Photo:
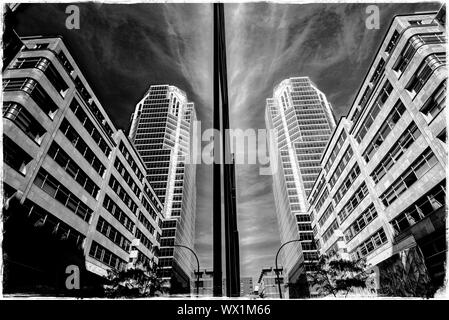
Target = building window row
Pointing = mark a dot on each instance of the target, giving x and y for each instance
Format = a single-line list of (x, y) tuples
[(330, 230), (425, 70), (393, 42), (381, 135), (14, 156), (317, 190), (93, 107), (90, 127), (24, 121), (435, 103), (419, 167), (118, 213), (353, 202), (143, 239), (326, 214), (69, 165), (322, 199), (118, 165), (146, 223), (36, 92), (347, 183), (394, 154), (341, 140), (105, 256), (75, 139), (127, 155), (413, 44), (46, 67), (361, 222), (106, 229), (373, 242), (422, 208), (122, 194), (39, 216), (374, 111), (58, 191), (341, 166)]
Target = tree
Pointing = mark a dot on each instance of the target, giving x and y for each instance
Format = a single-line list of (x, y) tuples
[(339, 276), (133, 283)]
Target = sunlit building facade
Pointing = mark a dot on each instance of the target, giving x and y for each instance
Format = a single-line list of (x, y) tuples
[(381, 195), (304, 121), (161, 130), (76, 185)]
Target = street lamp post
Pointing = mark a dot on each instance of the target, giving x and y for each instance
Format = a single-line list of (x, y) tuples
[(198, 267), (276, 264)]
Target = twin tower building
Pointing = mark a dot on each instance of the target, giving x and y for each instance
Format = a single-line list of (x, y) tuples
[(78, 191)]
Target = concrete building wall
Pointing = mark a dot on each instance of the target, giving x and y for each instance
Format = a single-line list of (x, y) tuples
[(67, 136)]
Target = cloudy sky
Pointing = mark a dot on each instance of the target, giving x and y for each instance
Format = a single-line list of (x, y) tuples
[(122, 49)]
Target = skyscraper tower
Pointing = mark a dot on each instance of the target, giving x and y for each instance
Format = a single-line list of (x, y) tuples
[(304, 122), (161, 130)]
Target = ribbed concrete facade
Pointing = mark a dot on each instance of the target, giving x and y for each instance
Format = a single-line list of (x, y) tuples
[(381, 193), (79, 176), (161, 130)]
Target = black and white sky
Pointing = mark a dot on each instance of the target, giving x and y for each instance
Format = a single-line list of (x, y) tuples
[(122, 49)]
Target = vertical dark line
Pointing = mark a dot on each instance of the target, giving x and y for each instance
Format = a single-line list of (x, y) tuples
[(217, 261), (230, 209)]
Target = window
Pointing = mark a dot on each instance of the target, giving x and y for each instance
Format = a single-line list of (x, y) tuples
[(347, 183), (70, 166), (413, 44), (353, 202), (361, 222), (24, 120), (92, 106), (394, 154), (118, 213), (36, 46), (123, 195), (347, 155), (330, 231), (373, 242), (56, 190), (336, 150), (435, 103), (143, 239), (113, 234), (326, 214), (419, 167), (146, 223), (423, 207), (36, 92), (14, 156), (118, 165), (76, 140), (105, 256), (322, 199), (90, 128), (393, 42), (374, 111), (381, 135), (424, 71), (46, 66)]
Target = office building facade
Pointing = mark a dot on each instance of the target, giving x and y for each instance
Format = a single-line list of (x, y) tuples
[(304, 121), (161, 130), (68, 172), (267, 284), (381, 195)]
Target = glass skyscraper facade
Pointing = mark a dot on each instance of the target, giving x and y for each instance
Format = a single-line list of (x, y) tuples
[(161, 130), (303, 120)]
